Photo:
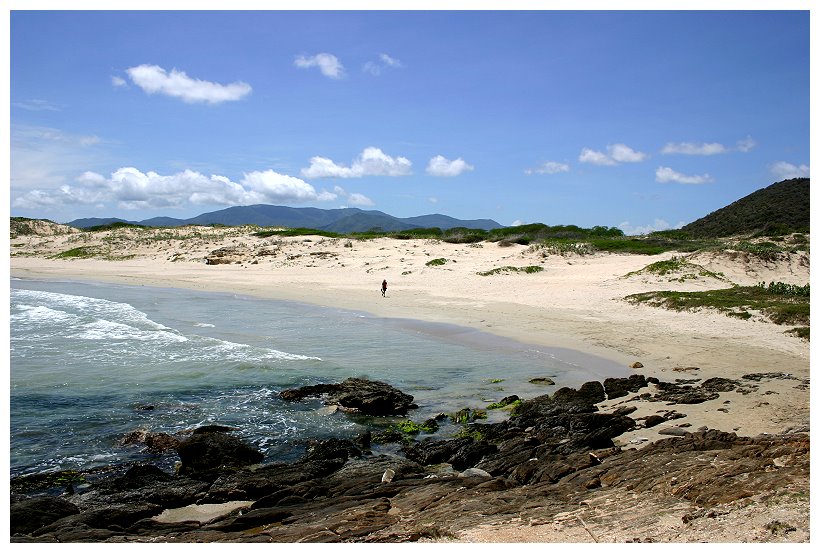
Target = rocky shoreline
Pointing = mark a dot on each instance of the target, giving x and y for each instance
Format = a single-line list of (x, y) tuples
[(553, 463)]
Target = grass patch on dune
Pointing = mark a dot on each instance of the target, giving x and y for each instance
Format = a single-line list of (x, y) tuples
[(82, 252), (509, 269), (678, 269), (782, 303)]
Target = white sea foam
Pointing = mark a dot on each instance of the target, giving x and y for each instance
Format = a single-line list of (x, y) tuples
[(204, 325), (109, 330), (92, 307), (40, 314), (231, 351)]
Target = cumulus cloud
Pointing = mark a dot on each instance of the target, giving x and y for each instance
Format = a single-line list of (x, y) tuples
[(659, 224), (440, 166), (595, 158), (614, 155), (783, 170), (548, 168), (666, 174), (371, 162), (131, 188), (118, 81), (328, 64), (153, 79), (385, 62)]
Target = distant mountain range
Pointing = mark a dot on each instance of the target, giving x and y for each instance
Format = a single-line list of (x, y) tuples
[(780, 208), (334, 220)]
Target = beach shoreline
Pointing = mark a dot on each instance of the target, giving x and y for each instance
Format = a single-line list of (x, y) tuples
[(573, 302)]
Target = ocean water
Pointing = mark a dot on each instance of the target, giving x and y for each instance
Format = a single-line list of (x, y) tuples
[(93, 362)]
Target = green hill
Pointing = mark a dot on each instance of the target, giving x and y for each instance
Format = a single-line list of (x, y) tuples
[(780, 208)]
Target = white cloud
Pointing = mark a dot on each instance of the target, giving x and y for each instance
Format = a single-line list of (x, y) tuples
[(31, 134), (371, 162), (707, 148), (328, 64), (746, 145), (130, 188), (517, 223), (359, 199), (658, 224), (432, 200), (693, 149), (153, 79), (42, 156), (36, 105), (595, 158), (272, 186), (666, 174), (624, 154), (783, 170), (615, 154), (548, 168), (118, 81), (385, 62), (440, 166)]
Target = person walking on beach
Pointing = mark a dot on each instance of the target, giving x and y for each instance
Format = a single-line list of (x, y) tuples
[(384, 287)]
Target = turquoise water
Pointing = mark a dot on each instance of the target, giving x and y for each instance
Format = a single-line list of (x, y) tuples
[(87, 359)]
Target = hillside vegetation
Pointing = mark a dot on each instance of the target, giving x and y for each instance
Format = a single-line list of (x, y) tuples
[(778, 209)]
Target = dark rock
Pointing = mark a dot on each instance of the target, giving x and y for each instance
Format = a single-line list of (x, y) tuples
[(673, 431), (543, 381), (213, 428), (620, 387), (332, 448), (158, 442), (589, 393), (161, 442), (625, 410), (32, 514), (214, 450), (504, 402), (653, 420), (683, 394), (470, 454), (433, 452), (718, 384), (136, 477), (111, 517), (357, 394), (252, 519)]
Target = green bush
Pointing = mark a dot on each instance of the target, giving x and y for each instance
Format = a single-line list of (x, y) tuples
[(81, 252)]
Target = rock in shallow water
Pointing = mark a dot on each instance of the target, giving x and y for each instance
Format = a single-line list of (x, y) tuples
[(368, 397)]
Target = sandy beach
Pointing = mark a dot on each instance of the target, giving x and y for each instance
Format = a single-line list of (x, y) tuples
[(575, 301)]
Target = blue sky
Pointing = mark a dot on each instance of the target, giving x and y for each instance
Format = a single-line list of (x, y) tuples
[(638, 119)]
